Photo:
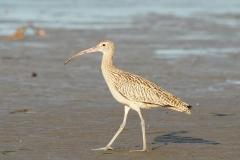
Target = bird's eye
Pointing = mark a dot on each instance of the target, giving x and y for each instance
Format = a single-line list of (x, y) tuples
[(104, 45)]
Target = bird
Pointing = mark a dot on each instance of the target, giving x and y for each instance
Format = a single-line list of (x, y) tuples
[(131, 90)]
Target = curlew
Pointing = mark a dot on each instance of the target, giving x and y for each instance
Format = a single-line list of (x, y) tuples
[(133, 91)]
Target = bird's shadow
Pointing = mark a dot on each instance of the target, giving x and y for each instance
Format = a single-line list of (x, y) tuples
[(173, 137)]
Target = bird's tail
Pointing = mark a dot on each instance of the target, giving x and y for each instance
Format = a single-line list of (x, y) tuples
[(183, 108), (188, 110)]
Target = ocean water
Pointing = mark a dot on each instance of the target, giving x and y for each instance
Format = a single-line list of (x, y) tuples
[(95, 14)]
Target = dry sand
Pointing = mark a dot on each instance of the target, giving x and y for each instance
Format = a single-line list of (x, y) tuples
[(76, 112)]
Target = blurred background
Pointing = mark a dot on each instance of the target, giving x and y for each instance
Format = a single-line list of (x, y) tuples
[(26, 18), (94, 14)]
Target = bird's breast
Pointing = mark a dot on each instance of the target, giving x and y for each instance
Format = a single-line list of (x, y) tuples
[(112, 79)]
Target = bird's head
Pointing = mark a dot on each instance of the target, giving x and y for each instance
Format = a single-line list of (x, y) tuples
[(106, 47)]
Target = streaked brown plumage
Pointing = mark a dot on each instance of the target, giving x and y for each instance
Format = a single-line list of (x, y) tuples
[(131, 90)]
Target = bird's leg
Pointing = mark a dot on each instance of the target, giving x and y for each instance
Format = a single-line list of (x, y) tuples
[(126, 109), (143, 132)]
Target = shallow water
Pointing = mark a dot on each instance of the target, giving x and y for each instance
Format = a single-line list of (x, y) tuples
[(94, 14), (177, 53), (237, 82)]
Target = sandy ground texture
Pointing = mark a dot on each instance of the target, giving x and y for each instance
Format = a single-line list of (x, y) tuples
[(70, 109)]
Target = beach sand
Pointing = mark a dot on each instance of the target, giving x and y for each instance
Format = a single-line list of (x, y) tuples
[(76, 112)]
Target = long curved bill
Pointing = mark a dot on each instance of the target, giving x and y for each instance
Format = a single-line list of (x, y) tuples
[(90, 50)]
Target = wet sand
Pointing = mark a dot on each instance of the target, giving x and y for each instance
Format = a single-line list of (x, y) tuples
[(76, 112)]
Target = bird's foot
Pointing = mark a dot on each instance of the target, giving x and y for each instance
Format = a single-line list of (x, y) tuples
[(103, 149), (142, 150)]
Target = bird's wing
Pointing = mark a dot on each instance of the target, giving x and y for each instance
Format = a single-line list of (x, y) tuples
[(146, 93), (138, 89)]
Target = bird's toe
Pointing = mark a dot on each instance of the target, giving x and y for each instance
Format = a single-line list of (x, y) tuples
[(142, 150), (103, 149)]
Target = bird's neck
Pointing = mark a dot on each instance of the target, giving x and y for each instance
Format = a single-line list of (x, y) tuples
[(107, 62), (110, 73)]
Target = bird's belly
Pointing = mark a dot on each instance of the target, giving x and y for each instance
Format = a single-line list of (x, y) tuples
[(119, 97)]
